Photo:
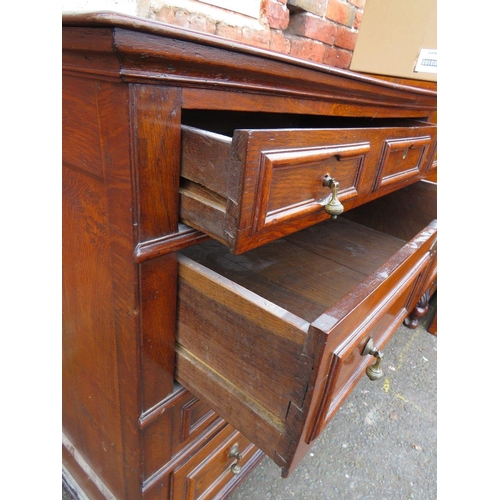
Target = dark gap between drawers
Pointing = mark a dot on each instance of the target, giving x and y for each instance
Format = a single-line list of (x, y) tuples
[(225, 122)]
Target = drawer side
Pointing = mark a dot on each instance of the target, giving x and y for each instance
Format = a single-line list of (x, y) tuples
[(239, 352)]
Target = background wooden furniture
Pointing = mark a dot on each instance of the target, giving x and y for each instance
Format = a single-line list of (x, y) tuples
[(140, 286)]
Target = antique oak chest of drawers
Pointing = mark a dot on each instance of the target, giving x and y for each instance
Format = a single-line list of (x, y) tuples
[(242, 234)]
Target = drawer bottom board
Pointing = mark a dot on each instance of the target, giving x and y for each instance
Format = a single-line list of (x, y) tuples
[(307, 271)]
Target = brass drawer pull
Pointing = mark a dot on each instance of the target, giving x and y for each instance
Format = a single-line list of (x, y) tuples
[(374, 371), (234, 453), (333, 207)]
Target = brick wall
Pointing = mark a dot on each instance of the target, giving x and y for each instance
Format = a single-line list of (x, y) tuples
[(323, 31)]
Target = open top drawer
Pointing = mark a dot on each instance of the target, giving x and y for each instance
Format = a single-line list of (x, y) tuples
[(257, 185), (273, 339)]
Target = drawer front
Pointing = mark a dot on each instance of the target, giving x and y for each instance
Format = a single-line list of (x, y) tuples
[(195, 417), (266, 370), (432, 166), (344, 362), (264, 184), (291, 180), (211, 472), (402, 159), (173, 428)]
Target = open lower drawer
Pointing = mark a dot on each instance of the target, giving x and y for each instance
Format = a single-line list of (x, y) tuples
[(247, 186), (273, 339)]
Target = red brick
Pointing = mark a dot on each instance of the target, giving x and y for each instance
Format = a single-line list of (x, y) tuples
[(256, 38), (341, 12), (346, 38), (304, 48), (357, 19), (279, 42), (166, 15), (313, 27), (231, 32), (201, 23), (317, 7), (185, 19), (276, 13), (339, 58), (360, 4)]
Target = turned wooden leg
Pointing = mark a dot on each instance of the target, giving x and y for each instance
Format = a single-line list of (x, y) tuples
[(411, 321)]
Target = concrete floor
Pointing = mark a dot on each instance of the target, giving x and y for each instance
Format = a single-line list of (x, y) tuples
[(381, 444)]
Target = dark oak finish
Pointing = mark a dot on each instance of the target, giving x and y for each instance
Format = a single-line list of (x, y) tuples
[(97, 238), (163, 127), (195, 478), (292, 308), (260, 185)]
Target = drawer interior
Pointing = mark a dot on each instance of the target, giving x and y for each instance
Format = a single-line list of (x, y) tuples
[(308, 271), (305, 272), (273, 338), (226, 122)]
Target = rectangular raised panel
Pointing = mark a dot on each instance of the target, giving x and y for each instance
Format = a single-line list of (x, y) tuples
[(432, 165), (401, 159), (194, 416), (291, 180), (208, 474), (179, 422)]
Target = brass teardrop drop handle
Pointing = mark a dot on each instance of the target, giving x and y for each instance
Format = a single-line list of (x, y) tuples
[(333, 207), (374, 372), (234, 453)]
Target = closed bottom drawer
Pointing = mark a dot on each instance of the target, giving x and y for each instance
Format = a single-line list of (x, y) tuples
[(275, 339), (217, 468)]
